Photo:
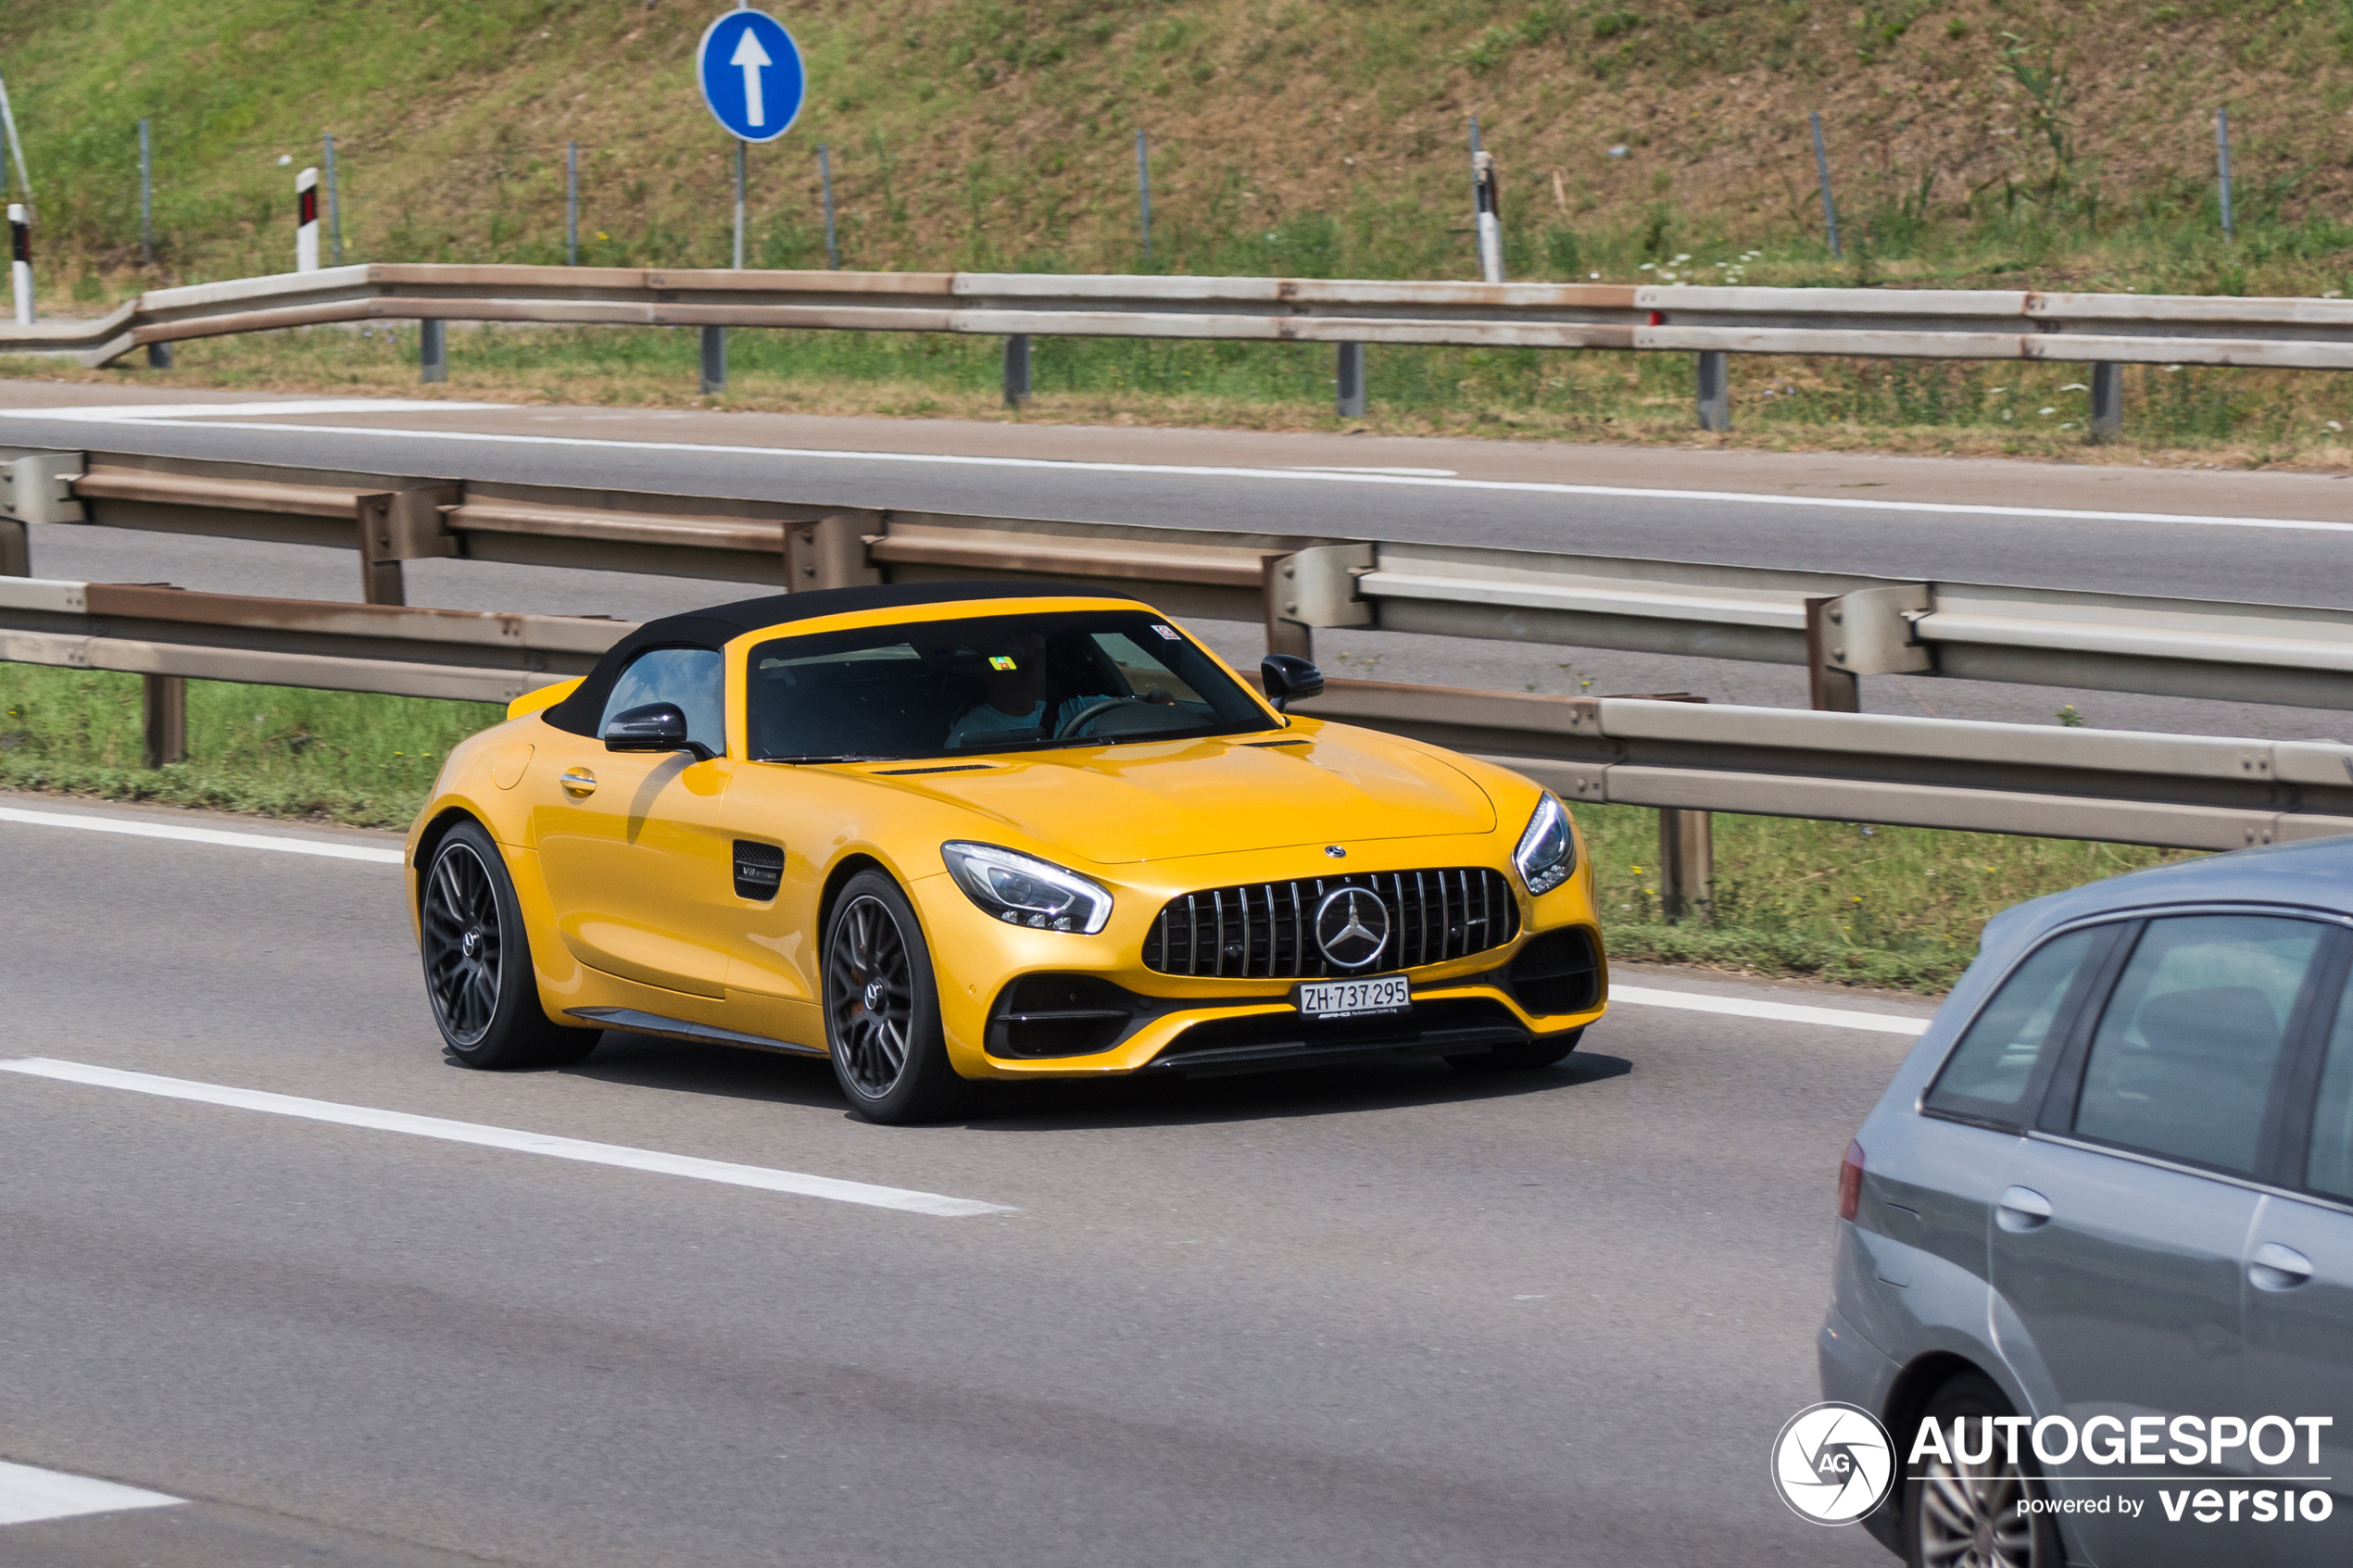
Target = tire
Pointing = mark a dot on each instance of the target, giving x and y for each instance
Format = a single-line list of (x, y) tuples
[(1966, 1513), (1541, 1051), (477, 960), (882, 1009)]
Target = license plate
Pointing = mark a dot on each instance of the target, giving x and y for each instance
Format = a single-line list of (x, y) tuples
[(1361, 998)]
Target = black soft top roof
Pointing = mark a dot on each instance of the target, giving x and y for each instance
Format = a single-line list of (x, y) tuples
[(723, 623)]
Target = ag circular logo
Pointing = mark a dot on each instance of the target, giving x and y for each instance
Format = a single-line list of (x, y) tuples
[(1833, 1463), (1351, 926)]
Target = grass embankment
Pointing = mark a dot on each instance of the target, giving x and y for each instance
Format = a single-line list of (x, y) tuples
[(2005, 144), (1895, 907)]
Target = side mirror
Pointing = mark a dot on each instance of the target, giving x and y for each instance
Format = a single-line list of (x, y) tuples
[(658, 726), (1289, 679)]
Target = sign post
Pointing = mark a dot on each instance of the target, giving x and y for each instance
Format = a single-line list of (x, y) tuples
[(753, 84)]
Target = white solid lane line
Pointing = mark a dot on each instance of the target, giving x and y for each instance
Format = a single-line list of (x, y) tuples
[(132, 413), (617, 1155), (28, 1495), (283, 843), (1296, 475), (1781, 1012)]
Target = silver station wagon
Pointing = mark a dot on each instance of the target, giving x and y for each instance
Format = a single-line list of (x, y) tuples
[(2098, 1232)]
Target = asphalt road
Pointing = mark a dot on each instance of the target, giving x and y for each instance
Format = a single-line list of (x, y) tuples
[(2034, 523), (1372, 1317)]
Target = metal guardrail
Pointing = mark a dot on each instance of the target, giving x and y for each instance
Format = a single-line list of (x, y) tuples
[(1933, 323), (2187, 791), (1838, 626)]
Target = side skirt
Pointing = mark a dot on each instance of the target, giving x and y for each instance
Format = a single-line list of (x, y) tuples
[(631, 1021)]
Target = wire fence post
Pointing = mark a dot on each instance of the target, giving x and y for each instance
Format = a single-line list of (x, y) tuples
[(571, 203), (16, 146), (1823, 172), (825, 181), (146, 197), (2222, 164), (740, 146), (335, 204), (1144, 192)]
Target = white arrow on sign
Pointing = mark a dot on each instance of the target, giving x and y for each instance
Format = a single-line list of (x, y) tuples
[(753, 57)]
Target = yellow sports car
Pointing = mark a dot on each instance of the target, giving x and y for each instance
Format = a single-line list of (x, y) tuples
[(946, 833)]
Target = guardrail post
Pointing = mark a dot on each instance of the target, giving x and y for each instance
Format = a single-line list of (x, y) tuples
[(2108, 401), (830, 552), (715, 361), (16, 548), (1686, 864), (158, 355), (1016, 370), (1715, 391), (433, 351), (164, 702), (1283, 634), (397, 526), (1828, 688), (1350, 379)]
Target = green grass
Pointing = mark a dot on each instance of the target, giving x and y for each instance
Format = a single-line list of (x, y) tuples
[(277, 751), (1839, 902)]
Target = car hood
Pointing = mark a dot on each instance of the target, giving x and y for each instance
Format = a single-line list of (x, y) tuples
[(1123, 804)]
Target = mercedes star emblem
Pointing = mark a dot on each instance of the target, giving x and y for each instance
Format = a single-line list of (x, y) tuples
[(1351, 926)]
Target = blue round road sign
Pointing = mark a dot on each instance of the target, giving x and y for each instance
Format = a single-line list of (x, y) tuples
[(750, 74)]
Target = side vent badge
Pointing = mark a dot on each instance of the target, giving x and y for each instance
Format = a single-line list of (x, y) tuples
[(760, 870)]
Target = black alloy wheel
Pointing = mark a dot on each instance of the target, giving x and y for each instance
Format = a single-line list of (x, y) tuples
[(882, 1008), (1959, 1514), (478, 971)]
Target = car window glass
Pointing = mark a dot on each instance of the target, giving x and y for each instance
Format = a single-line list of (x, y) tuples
[(1992, 1071), (693, 678), (2182, 1061), (989, 684), (2329, 1167)]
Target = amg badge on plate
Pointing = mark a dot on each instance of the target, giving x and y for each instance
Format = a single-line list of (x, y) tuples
[(1357, 998)]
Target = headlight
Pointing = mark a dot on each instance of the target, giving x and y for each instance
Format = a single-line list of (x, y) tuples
[(1022, 890), (1547, 851)]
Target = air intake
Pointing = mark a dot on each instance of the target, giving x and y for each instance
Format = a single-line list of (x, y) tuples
[(760, 870)]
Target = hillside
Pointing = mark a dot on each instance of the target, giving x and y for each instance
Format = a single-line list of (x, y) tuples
[(2027, 141)]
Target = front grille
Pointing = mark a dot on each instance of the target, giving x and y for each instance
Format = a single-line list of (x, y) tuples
[(1266, 929)]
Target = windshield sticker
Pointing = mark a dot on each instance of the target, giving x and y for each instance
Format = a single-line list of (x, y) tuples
[(1164, 632), (1001, 661)]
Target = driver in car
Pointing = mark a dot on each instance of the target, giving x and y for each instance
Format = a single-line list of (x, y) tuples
[(1014, 700)]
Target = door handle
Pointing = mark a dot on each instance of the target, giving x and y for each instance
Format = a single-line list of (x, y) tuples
[(2274, 1267), (579, 780), (2022, 1209)]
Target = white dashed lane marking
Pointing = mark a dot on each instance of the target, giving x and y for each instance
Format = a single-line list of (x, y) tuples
[(28, 1495), (617, 1155)]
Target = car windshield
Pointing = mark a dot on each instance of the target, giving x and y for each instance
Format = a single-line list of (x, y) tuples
[(989, 684)]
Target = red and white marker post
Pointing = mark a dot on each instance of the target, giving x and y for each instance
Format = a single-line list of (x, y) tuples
[(307, 221), (21, 262)]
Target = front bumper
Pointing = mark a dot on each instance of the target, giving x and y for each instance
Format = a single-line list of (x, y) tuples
[(1018, 1003)]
